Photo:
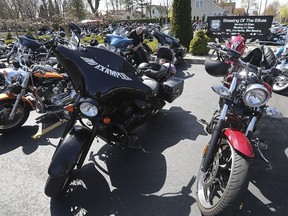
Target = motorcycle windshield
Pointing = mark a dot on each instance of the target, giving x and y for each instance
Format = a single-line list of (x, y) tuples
[(100, 73), (163, 38), (118, 41)]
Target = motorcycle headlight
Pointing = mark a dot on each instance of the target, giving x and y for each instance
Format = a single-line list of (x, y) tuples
[(88, 109), (255, 95)]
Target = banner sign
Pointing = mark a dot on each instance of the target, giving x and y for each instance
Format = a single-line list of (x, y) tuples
[(248, 26)]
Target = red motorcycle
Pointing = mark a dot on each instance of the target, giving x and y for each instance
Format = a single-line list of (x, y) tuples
[(223, 175)]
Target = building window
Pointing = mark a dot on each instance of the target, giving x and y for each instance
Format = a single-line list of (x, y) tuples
[(153, 11), (204, 17), (199, 3), (217, 14)]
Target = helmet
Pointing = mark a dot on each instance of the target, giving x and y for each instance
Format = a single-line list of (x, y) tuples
[(171, 68), (216, 68), (94, 42)]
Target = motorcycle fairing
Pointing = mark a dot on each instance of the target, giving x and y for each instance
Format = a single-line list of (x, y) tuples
[(239, 141), (100, 73), (68, 150), (118, 41), (28, 42), (163, 38)]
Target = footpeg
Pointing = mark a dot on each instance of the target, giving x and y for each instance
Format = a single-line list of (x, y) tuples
[(260, 144)]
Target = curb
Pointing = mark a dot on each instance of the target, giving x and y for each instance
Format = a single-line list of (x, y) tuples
[(195, 59)]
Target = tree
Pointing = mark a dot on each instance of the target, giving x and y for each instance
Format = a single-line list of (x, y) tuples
[(250, 5), (77, 9), (272, 8), (283, 12), (181, 25), (94, 7)]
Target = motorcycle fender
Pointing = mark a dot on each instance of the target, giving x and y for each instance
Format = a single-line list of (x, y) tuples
[(68, 150), (5, 96), (239, 142)]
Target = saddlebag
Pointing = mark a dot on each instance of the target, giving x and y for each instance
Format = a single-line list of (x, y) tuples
[(171, 89)]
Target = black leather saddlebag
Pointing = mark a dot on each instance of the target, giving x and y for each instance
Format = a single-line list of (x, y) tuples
[(171, 89)]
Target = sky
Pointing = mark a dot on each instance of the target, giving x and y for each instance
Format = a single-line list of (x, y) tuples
[(102, 5)]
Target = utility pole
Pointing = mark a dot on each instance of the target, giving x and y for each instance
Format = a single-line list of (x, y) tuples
[(260, 7)]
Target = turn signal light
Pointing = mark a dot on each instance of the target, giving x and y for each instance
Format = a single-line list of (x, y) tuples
[(106, 120), (204, 150), (70, 108)]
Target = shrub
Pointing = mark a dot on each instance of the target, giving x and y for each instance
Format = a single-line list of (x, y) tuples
[(9, 36), (198, 45), (152, 44)]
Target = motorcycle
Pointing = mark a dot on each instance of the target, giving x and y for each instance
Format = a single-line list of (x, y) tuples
[(39, 87), (173, 43), (113, 99), (223, 174), (123, 46), (281, 82)]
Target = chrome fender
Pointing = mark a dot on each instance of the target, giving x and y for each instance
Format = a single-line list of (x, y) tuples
[(239, 142), (68, 151)]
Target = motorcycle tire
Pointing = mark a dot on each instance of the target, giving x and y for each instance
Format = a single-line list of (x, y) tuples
[(220, 190), (21, 115), (11, 57), (55, 185), (280, 84)]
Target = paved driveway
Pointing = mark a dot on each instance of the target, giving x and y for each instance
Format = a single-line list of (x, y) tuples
[(161, 183)]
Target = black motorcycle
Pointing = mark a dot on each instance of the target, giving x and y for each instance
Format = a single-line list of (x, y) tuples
[(173, 43), (113, 97)]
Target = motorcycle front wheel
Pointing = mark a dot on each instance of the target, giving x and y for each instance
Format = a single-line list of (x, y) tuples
[(280, 84), (21, 115), (55, 185), (220, 190)]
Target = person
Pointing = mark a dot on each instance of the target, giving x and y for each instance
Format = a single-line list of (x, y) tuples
[(198, 25), (137, 39)]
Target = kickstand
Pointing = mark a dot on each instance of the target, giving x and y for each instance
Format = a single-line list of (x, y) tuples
[(42, 131)]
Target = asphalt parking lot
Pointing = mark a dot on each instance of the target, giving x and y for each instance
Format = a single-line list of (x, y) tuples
[(160, 183)]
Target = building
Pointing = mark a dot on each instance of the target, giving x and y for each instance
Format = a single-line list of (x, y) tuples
[(157, 11), (201, 9)]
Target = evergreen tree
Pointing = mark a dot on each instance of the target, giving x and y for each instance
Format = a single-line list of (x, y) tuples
[(181, 25)]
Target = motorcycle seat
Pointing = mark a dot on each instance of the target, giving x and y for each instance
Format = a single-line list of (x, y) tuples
[(155, 71)]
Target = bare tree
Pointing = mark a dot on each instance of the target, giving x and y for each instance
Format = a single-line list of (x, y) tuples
[(94, 5), (250, 5)]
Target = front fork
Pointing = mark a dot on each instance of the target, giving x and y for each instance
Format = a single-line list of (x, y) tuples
[(19, 96), (214, 139)]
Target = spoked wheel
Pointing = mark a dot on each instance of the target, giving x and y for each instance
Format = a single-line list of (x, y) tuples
[(280, 84), (11, 57), (21, 115), (221, 188)]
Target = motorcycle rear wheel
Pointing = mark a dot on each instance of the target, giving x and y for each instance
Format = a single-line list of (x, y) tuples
[(280, 84), (21, 115), (220, 190)]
